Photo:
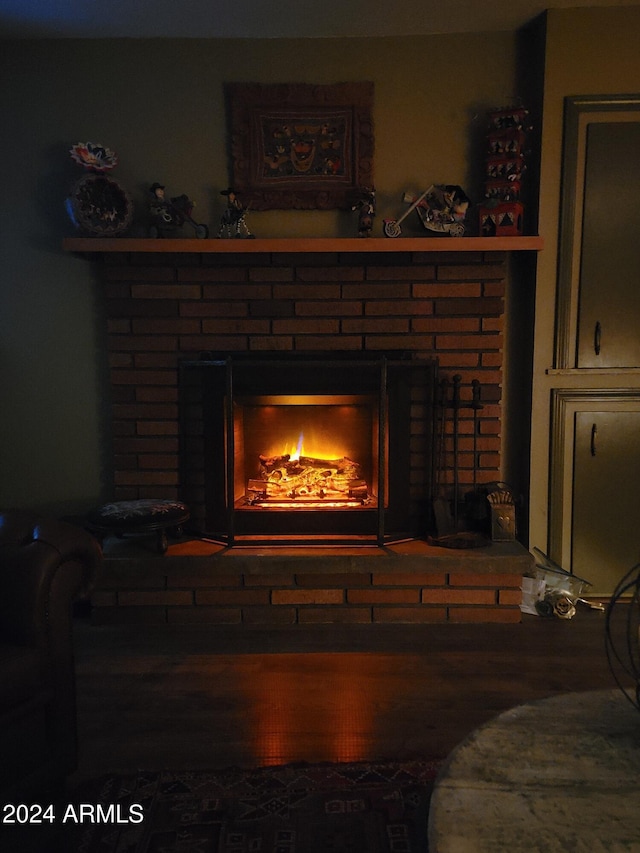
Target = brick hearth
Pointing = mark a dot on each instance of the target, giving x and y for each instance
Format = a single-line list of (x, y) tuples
[(202, 583)]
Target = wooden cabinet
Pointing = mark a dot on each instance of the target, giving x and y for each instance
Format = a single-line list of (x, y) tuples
[(609, 297), (606, 496), (595, 449)]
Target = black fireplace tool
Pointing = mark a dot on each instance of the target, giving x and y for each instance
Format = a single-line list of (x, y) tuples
[(446, 513)]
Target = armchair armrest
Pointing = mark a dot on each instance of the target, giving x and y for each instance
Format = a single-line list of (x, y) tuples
[(44, 565)]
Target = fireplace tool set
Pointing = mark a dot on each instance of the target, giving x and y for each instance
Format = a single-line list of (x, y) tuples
[(489, 512)]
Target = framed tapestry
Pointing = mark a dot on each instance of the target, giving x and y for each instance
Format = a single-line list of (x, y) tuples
[(300, 146)]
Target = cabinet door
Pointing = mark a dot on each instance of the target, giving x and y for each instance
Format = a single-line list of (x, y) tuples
[(606, 497), (609, 299)]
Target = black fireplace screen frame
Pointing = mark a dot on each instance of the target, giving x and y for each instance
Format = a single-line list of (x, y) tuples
[(209, 388)]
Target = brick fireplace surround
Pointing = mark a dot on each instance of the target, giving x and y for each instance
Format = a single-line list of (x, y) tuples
[(168, 301)]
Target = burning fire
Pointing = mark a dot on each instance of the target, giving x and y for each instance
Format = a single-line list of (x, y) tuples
[(298, 475)]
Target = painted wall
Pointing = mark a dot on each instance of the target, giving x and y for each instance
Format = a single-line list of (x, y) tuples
[(159, 105), (588, 52)]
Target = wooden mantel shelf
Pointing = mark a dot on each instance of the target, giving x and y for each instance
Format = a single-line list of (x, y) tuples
[(100, 245)]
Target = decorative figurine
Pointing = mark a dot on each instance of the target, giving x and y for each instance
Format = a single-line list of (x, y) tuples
[(502, 212), (366, 207), (232, 222), (442, 208), (170, 215), (98, 205)]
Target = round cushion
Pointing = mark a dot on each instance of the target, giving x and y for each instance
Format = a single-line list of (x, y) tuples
[(140, 515)]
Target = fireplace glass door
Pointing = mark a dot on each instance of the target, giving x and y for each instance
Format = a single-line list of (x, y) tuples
[(303, 450)]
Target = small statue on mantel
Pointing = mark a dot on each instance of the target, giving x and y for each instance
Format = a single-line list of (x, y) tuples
[(232, 222), (169, 215), (366, 207)]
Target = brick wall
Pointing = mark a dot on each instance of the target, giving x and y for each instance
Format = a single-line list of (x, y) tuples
[(163, 308)]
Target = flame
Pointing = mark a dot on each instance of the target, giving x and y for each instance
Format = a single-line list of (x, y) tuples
[(319, 448)]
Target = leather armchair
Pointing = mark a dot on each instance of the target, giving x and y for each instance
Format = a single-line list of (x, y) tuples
[(45, 564)]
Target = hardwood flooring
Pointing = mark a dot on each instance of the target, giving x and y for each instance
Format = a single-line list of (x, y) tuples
[(185, 697)]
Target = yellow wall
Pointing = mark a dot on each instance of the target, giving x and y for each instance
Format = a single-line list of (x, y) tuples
[(588, 52), (159, 105)]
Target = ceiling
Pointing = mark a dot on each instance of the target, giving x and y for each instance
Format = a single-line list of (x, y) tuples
[(269, 18)]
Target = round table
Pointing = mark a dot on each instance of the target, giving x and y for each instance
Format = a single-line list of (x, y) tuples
[(559, 774)]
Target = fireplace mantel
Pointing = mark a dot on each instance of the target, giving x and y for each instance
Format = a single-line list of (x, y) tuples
[(297, 245)]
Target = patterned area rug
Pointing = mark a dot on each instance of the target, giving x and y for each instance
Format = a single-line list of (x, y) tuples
[(344, 808)]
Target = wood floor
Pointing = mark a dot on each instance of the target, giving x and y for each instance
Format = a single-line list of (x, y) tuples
[(190, 697)]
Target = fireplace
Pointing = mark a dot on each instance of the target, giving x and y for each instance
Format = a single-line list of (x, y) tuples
[(308, 449)]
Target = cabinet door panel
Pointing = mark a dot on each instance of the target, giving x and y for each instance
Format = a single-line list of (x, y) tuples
[(609, 300), (606, 497)]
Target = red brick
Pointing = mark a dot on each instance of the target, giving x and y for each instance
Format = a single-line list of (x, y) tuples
[(496, 288), (510, 596), (146, 598), (332, 273), (144, 377), (157, 394), (240, 597), (334, 615), (493, 324), (383, 596), (235, 326), (221, 274), (157, 428), (458, 596), (146, 478), (270, 580), (371, 292), (328, 308), (365, 325), (446, 324), (306, 291), (141, 445), (474, 342), (269, 615), (335, 342), (306, 326), (477, 272), (272, 343), (455, 361), (150, 411), (421, 345), (391, 308), (307, 596), (491, 359), (271, 274), (166, 291), (450, 291), (414, 272), (213, 309), (154, 460), (471, 307), (234, 292), (216, 343)]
